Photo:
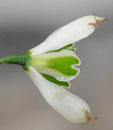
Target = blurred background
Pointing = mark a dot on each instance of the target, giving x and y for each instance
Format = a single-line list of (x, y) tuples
[(26, 23)]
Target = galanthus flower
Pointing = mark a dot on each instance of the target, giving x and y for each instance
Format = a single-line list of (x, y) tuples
[(53, 63)]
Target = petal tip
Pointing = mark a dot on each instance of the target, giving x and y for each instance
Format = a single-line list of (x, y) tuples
[(89, 118), (100, 19), (97, 20)]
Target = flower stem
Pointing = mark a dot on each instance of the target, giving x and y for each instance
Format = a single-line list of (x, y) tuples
[(23, 60)]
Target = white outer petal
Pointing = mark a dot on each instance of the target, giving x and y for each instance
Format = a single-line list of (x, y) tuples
[(67, 34), (67, 104)]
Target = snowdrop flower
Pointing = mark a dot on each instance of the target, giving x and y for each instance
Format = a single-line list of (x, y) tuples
[(53, 63)]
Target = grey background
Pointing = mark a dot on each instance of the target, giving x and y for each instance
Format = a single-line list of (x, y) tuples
[(26, 23)]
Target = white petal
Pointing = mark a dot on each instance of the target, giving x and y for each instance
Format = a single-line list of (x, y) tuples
[(67, 104), (70, 33)]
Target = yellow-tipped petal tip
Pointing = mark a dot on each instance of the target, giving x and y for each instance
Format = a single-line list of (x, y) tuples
[(100, 19), (89, 118)]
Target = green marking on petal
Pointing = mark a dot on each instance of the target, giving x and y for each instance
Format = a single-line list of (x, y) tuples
[(64, 64), (68, 47), (53, 80)]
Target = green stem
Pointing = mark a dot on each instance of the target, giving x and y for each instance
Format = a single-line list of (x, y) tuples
[(23, 60)]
